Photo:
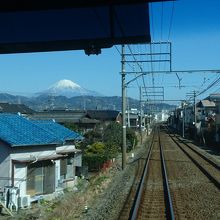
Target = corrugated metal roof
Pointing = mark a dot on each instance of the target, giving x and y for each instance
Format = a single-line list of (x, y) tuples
[(60, 131), (19, 131)]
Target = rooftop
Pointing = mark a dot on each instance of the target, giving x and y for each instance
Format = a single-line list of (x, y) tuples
[(103, 115), (19, 131), (58, 130), (15, 108)]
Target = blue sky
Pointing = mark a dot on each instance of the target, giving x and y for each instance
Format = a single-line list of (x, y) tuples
[(195, 37)]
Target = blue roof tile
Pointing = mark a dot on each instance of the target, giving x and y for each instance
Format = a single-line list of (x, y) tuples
[(18, 131), (58, 130)]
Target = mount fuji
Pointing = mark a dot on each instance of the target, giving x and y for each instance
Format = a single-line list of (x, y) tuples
[(69, 89)]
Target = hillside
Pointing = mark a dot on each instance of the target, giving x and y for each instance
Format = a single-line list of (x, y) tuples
[(79, 102)]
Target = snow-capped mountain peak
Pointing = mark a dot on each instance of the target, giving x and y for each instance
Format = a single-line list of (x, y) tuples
[(65, 84), (69, 89)]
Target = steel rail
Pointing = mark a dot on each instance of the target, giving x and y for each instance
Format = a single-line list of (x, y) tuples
[(168, 201), (137, 200), (167, 195)]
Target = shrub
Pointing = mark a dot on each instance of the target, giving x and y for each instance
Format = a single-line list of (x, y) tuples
[(95, 156), (131, 139)]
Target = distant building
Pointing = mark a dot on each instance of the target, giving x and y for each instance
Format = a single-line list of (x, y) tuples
[(133, 119), (76, 117), (105, 115), (162, 116), (207, 125), (205, 109), (15, 108)]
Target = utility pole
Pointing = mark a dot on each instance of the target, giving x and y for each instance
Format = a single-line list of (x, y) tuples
[(123, 107), (184, 119), (140, 123), (194, 101), (193, 95), (128, 113)]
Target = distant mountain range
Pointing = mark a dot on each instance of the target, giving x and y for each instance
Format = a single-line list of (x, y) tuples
[(67, 94)]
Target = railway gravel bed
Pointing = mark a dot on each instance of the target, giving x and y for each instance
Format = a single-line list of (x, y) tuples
[(194, 196), (212, 153), (213, 171), (124, 214)]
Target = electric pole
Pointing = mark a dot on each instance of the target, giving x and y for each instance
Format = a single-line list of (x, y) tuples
[(193, 95), (184, 119), (123, 107), (194, 100), (140, 123)]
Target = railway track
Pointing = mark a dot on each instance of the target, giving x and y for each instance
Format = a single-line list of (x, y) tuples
[(152, 199), (192, 191), (209, 168), (193, 177), (124, 214)]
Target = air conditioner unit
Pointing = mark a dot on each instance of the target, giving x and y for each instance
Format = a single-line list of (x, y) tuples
[(24, 202)]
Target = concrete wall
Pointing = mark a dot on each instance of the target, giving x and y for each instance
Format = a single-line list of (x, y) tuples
[(57, 173), (20, 178), (78, 160), (32, 152)]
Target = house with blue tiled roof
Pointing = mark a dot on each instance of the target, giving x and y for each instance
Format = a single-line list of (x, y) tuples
[(36, 158), (57, 129)]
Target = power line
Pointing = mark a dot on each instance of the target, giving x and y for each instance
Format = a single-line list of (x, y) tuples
[(171, 21), (141, 69), (209, 87), (168, 39), (117, 50)]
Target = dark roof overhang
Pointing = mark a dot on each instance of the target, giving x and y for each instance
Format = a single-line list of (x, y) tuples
[(27, 5)]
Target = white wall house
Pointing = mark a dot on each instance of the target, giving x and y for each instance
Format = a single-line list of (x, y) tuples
[(37, 158)]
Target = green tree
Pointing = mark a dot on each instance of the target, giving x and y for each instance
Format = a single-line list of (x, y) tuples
[(90, 138), (93, 136), (97, 148), (112, 138)]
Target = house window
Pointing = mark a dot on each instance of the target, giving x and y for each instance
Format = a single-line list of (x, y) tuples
[(40, 178), (67, 168), (63, 168)]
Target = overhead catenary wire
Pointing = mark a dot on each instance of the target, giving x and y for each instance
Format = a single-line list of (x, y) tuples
[(209, 86), (171, 20), (169, 36), (141, 69), (161, 31)]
